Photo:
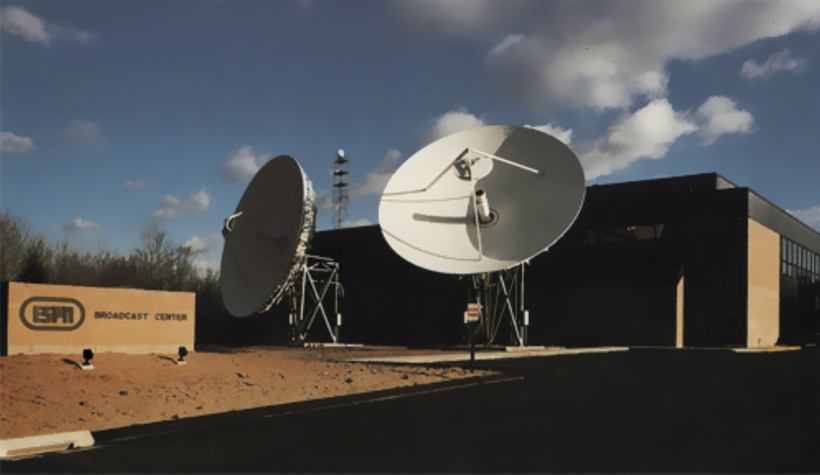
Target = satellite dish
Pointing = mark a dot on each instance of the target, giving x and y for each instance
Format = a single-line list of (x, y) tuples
[(482, 200), (267, 237)]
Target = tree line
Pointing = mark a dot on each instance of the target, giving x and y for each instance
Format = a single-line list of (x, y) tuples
[(157, 263)]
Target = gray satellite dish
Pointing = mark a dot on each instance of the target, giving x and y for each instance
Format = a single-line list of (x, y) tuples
[(267, 237), (482, 200)]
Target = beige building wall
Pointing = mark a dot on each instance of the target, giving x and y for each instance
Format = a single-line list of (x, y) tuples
[(764, 286), (64, 319)]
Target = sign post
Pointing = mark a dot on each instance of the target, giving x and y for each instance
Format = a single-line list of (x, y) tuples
[(471, 317)]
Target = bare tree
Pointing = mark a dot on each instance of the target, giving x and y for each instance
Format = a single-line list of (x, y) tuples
[(161, 264), (71, 267), (116, 270), (20, 248), (157, 264), (35, 267)]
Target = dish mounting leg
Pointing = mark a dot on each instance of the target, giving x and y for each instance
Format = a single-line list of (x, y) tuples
[(502, 294), (318, 293)]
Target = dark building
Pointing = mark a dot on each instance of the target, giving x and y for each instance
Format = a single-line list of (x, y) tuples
[(685, 261)]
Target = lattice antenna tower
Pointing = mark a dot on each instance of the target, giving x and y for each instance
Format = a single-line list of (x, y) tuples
[(340, 173)]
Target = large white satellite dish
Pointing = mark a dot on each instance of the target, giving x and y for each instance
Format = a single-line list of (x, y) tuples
[(482, 200), (267, 237)]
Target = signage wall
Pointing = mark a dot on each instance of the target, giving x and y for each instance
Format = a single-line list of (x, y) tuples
[(64, 319)]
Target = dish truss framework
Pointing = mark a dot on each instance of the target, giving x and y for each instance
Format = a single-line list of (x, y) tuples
[(319, 283), (500, 294)]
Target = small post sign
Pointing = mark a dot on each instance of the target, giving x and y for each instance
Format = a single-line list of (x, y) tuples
[(473, 313), (64, 319), (471, 317)]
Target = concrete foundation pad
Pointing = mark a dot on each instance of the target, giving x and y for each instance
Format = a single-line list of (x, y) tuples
[(766, 349), (10, 448), (484, 355), (333, 345)]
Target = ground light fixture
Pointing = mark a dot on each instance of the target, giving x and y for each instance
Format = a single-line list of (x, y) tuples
[(183, 352), (88, 355)]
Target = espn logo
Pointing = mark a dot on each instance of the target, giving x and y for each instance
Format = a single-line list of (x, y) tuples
[(52, 314)]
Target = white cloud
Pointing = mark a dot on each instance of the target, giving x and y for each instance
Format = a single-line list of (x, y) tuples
[(204, 266), (324, 200), (532, 70), (79, 224), (721, 116), (810, 216), (203, 245), (243, 165), (84, 134), (651, 130), (458, 18), (15, 144), (171, 207), (450, 123), (375, 181), (206, 251), (780, 61), (197, 245), (648, 133), (71, 34), (564, 135), (508, 42), (605, 55), (20, 22), (163, 214), (169, 201), (133, 184), (197, 202), (357, 223)]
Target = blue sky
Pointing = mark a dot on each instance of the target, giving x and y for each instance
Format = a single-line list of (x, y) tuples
[(118, 114)]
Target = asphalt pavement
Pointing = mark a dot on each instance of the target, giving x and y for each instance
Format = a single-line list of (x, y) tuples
[(635, 411)]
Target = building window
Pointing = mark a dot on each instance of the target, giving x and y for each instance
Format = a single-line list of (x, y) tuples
[(799, 262)]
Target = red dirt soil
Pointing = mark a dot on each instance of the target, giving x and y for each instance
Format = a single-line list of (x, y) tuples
[(43, 394)]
